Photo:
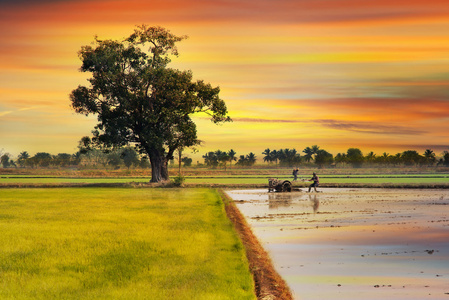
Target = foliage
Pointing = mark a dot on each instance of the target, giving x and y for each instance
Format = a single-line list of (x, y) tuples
[(178, 180), (187, 161), (411, 157), (219, 158), (445, 159), (323, 158), (231, 154), (354, 156), (310, 152), (130, 157), (5, 160), (286, 157), (248, 160), (21, 160), (139, 100)]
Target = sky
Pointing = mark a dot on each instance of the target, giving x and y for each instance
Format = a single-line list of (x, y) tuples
[(370, 74)]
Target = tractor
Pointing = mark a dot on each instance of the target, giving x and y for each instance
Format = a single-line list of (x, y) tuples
[(275, 185)]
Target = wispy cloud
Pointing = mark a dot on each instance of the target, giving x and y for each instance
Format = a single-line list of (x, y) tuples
[(259, 120), (7, 112), (362, 127), (4, 113), (369, 127)]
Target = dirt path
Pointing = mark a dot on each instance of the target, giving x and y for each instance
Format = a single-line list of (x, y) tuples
[(269, 284)]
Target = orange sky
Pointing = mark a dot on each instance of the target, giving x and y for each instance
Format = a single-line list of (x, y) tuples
[(338, 74)]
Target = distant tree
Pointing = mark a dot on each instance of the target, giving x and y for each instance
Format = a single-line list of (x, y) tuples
[(242, 160), (289, 157), (187, 161), (222, 158), (114, 158), (247, 160), (323, 158), (231, 155), (5, 160), (385, 158), (354, 156), (62, 159), (310, 152), (274, 156), (446, 159), (370, 157), (411, 157), (139, 100), (94, 157), (340, 158), (129, 156), (251, 159), (42, 159), (267, 155), (430, 157), (396, 159), (210, 159), (22, 158)]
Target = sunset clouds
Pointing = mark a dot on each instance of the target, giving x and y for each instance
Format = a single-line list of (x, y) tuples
[(340, 74)]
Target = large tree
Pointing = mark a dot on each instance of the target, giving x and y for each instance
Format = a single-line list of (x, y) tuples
[(139, 100)]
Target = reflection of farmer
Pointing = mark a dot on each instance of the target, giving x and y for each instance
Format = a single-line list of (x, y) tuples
[(315, 203), (316, 182), (295, 174)]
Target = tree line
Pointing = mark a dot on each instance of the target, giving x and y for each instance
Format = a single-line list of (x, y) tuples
[(353, 157), (222, 158), (91, 155), (314, 155)]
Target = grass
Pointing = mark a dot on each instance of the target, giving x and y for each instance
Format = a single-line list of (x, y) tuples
[(115, 243), (239, 179)]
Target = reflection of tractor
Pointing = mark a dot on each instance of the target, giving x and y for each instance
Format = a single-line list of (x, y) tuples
[(279, 185)]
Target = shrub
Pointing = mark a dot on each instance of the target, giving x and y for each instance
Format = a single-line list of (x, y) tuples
[(178, 180)]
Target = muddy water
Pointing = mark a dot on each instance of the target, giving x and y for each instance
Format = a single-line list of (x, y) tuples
[(355, 243)]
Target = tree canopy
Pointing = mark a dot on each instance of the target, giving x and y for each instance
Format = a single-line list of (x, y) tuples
[(139, 100)]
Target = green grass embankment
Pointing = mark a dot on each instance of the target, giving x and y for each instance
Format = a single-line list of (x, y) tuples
[(250, 181), (114, 243)]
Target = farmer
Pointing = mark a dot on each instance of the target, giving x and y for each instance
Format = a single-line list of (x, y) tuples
[(316, 182), (295, 174)]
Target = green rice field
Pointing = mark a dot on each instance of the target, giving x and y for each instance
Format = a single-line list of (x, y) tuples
[(236, 179), (119, 243)]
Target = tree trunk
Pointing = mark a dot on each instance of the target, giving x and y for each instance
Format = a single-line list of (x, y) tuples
[(156, 167), (164, 168), (159, 165)]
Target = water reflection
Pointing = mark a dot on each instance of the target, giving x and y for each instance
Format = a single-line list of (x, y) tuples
[(355, 243), (280, 200), (315, 202)]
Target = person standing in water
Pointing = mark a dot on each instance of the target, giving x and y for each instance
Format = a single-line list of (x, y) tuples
[(316, 182)]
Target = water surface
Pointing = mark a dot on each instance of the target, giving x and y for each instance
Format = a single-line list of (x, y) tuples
[(355, 243)]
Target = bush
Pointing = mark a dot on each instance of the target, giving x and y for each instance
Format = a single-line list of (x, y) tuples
[(178, 180)]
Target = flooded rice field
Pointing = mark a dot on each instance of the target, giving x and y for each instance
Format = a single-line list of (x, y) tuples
[(355, 243)]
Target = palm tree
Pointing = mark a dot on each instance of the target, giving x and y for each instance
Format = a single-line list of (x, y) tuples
[(242, 160), (370, 157), (430, 156), (231, 155), (23, 156), (268, 157), (310, 151), (251, 159), (274, 156), (222, 157)]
